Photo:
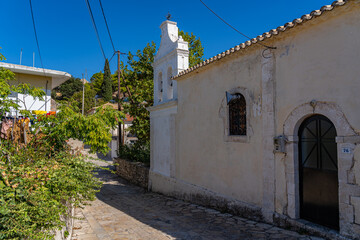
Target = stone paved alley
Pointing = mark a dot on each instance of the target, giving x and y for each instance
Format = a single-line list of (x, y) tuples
[(125, 211)]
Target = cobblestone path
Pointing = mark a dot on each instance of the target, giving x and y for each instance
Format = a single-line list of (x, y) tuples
[(124, 211)]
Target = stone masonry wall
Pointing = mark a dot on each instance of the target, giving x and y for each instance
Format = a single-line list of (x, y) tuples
[(349, 179), (69, 221), (134, 172)]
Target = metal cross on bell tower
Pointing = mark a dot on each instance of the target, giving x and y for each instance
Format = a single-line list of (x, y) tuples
[(168, 16)]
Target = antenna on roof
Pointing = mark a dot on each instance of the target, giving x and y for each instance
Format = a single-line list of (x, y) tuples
[(20, 56), (33, 59)]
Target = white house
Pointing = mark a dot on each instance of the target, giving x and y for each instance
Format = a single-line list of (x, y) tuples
[(277, 130), (46, 79)]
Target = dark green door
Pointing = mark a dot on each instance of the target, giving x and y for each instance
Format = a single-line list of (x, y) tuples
[(318, 172)]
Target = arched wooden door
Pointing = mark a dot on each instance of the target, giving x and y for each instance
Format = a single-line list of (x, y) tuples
[(318, 172)]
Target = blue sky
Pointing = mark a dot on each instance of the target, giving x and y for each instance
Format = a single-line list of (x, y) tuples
[(68, 41)]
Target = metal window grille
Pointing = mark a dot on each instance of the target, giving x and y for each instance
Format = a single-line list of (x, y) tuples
[(237, 115)]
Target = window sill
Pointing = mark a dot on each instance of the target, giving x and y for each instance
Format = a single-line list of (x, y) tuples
[(237, 138)]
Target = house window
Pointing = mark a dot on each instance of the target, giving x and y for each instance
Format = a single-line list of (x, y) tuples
[(237, 115)]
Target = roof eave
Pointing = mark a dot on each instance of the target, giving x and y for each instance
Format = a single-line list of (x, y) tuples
[(34, 71)]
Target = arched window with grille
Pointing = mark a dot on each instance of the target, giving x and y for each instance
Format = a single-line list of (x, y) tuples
[(237, 114)]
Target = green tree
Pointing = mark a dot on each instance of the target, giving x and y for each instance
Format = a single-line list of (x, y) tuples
[(2, 57), (196, 50), (114, 81), (97, 80), (139, 80), (67, 89), (89, 99), (106, 87)]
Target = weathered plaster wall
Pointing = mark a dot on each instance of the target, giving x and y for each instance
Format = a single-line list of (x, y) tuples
[(163, 130), (171, 58), (232, 169), (319, 63)]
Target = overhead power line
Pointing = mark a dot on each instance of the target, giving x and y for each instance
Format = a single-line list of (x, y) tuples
[(107, 27), (38, 47), (36, 38), (94, 25), (234, 27)]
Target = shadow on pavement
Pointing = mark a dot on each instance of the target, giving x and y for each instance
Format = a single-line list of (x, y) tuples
[(179, 219)]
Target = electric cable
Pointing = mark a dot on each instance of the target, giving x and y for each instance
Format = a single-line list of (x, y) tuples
[(36, 38), (112, 56), (234, 27), (94, 25), (107, 27), (38, 47), (108, 30)]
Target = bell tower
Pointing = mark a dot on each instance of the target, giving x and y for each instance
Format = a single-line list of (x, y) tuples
[(171, 58)]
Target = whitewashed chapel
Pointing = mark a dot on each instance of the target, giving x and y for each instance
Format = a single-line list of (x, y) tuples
[(268, 133)]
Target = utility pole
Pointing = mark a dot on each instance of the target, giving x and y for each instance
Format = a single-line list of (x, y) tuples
[(83, 82), (120, 137), (121, 133)]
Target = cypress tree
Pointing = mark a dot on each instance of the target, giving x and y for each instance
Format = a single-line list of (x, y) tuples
[(106, 88)]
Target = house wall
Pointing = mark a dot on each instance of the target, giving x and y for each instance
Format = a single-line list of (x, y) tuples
[(35, 81), (232, 169), (163, 130), (317, 72), (320, 62)]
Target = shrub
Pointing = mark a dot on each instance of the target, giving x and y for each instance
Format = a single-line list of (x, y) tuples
[(138, 152), (34, 187), (39, 178)]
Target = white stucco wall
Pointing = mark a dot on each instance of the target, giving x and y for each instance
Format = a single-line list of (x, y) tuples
[(163, 150), (230, 168), (320, 61), (171, 58)]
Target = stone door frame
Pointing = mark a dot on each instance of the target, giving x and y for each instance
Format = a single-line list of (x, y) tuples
[(345, 135)]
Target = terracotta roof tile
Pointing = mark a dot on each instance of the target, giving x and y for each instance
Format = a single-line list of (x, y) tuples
[(265, 35)]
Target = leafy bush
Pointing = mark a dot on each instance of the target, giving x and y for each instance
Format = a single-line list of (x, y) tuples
[(93, 130), (35, 184), (138, 152), (39, 178)]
